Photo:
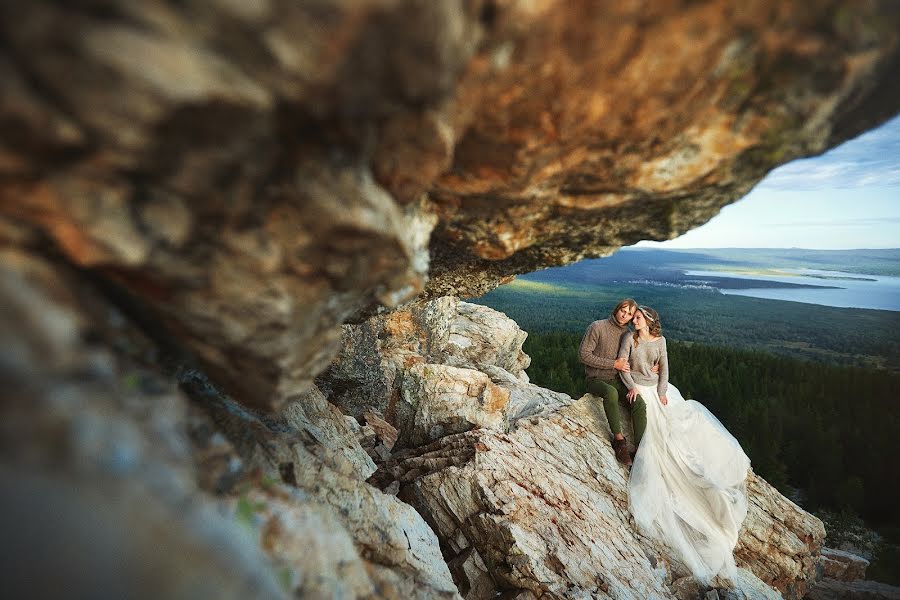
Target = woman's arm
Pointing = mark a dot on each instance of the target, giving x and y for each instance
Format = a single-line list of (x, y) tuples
[(662, 385), (625, 344)]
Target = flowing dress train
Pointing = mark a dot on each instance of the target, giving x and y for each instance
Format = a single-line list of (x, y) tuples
[(687, 486)]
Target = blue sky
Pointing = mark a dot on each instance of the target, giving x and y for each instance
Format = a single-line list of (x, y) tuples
[(848, 197)]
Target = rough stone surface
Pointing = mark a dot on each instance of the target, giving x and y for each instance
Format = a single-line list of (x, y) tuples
[(366, 373), (236, 181), (91, 442), (525, 399), (832, 589), (326, 424), (395, 555), (376, 354), (384, 431), (259, 174), (773, 521), (219, 501), (444, 400), (212, 160), (576, 115), (544, 508), (843, 566), (503, 346)]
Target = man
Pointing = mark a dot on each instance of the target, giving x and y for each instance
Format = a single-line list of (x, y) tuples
[(598, 351)]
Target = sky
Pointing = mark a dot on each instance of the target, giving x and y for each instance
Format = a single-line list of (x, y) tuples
[(848, 197)]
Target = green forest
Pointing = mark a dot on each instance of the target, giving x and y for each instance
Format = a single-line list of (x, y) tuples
[(839, 336), (809, 391), (825, 436)]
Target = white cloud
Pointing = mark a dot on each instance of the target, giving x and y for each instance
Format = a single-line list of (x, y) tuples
[(872, 159)]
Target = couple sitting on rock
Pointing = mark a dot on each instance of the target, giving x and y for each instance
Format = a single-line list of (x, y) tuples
[(603, 362), (687, 483)]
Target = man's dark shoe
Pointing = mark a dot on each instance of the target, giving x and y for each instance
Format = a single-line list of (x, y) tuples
[(621, 449)]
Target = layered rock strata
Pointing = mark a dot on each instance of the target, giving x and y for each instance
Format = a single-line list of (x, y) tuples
[(843, 566), (544, 508), (259, 174), (843, 578), (120, 486), (531, 498), (833, 589)]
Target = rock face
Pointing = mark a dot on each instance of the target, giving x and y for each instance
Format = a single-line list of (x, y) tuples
[(502, 349), (218, 501), (575, 115), (91, 442), (410, 363), (544, 508), (843, 566), (259, 174), (832, 589), (226, 234), (843, 579), (444, 400), (532, 499), (773, 521)]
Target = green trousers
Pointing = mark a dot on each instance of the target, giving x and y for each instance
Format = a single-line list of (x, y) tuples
[(611, 391)]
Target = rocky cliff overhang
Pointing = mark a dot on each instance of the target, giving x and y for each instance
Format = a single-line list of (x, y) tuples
[(258, 173), (227, 232)]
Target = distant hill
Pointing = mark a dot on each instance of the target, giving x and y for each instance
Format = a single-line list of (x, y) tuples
[(696, 311), (868, 261), (667, 265)]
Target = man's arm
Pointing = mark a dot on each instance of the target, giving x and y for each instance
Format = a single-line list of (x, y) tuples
[(586, 350)]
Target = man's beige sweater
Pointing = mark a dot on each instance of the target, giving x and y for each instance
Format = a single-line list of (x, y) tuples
[(599, 348)]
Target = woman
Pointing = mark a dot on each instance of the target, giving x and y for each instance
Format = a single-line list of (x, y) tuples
[(687, 486)]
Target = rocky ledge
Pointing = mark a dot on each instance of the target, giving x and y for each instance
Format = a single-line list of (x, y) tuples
[(494, 485)]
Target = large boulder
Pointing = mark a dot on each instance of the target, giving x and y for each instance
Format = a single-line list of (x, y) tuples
[(843, 566), (377, 354), (484, 337), (834, 589), (123, 485), (443, 400), (544, 508), (843, 578)]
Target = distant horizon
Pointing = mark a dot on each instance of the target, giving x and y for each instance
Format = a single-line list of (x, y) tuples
[(684, 248), (845, 199)]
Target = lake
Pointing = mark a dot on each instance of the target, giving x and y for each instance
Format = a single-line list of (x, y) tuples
[(853, 290)]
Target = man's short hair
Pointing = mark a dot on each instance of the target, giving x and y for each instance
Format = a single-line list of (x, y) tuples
[(624, 302)]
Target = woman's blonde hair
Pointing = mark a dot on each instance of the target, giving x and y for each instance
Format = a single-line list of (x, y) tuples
[(654, 326)]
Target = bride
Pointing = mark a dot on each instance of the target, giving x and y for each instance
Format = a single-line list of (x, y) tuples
[(687, 486)]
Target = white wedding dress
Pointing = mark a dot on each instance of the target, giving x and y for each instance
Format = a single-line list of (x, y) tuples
[(687, 485)]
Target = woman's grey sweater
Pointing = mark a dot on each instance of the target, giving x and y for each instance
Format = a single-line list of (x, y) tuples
[(641, 359)]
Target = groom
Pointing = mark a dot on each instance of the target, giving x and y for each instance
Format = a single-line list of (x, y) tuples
[(598, 351)]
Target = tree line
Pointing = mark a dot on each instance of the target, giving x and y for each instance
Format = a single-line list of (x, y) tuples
[(840, 336), (822, 434)]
